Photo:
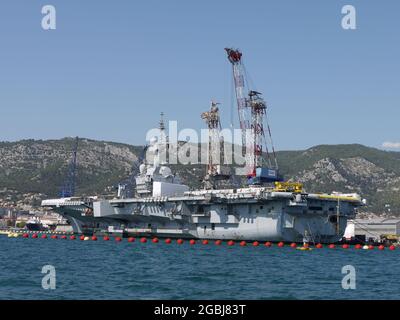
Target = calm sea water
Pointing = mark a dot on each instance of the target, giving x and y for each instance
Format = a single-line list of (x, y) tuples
[(110, 270)]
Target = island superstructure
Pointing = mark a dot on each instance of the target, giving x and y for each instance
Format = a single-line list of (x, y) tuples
[(266, 209)]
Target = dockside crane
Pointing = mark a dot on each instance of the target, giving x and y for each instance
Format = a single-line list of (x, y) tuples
[(253, 121), (68, 188)]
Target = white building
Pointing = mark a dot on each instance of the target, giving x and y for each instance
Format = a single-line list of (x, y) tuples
[(372, 228)]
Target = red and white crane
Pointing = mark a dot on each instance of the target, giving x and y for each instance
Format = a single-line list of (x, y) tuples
[(252, 111)]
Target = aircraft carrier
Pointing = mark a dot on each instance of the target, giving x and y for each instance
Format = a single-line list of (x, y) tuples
[(265, 209)]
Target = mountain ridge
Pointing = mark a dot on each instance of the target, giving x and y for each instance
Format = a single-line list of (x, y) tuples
[(38, 167)]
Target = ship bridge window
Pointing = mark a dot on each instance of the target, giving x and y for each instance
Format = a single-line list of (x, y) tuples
[(315, 208)]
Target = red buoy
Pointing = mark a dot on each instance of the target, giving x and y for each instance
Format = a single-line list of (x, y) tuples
[(94, 238), (34, 236), (280, 244), (179, 241), (331, 246), (118, 239), (155, 240), (268, 244), (72, 237), (53, 236), (381, 247), (131, 239), (319, 246), (345, 246), (371, 247), (242, 243), (168, 241), (256, 244), (25, 235), (218, 242), (357, 246), (44, 236), (143, 240), (82, 238), (231, 243), (64, 237), (306, 245), (392, 247), (293, 245), (205, 242), (106, 238), (192, 241)]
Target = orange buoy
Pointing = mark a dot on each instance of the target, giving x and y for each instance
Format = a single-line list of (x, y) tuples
[(94, 238), (357, 246), (82, 238), (154, 240), (106, 238), (331, 246), (143, 240), (231, 243), (319, 246), (179, 241), (118, 239), (25, 235), (192, 241), (392, 247), (168, 241), (53, 236), (381, 247), (44, 236), (268, 244), (218, 242), (306, 245), (34, 236), (371, 247), (131, 239), (256, 244), (293, 245), (345, 246), (205, 242), (281, 244), (72, 237)]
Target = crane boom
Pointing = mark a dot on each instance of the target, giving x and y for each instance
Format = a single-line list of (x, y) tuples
[(252, 112)]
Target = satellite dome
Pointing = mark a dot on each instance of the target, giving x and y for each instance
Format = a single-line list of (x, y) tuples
[(153, 140), (165, 171)]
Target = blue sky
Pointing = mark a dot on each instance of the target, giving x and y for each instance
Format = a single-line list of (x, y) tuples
[(111, 67)]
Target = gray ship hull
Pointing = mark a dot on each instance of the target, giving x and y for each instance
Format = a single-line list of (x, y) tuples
[(243, 214)]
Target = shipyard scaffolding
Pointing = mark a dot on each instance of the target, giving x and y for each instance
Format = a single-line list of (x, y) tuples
[(215, 171)]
